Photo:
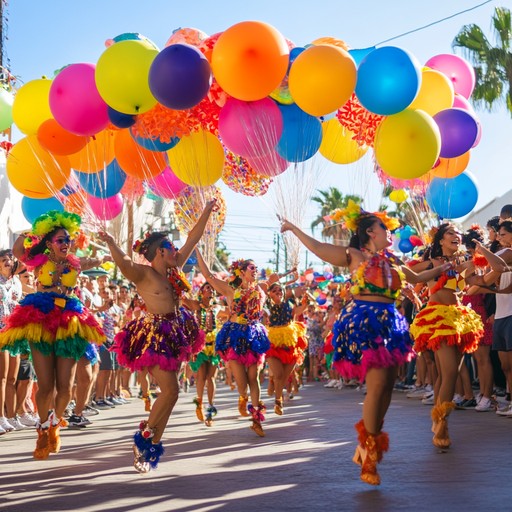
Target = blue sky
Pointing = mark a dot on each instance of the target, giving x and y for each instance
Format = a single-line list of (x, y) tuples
[(44, 36)]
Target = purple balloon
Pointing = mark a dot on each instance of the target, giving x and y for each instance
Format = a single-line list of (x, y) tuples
[(166, 184), (180, 76), (459, 130)]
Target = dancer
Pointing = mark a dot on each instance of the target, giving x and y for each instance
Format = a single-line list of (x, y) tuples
[(166, 336), (56, 325), (370, 338), (444, 325), (243, 339), (286, 341), (206, 363)]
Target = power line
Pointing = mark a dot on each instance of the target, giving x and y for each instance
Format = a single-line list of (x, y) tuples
[(433, 23)]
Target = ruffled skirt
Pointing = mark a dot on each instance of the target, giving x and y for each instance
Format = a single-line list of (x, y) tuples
[(455, 325), (369, 335), (245, 343), (51, 323), (207, 355), (163, 340), (287, 342)]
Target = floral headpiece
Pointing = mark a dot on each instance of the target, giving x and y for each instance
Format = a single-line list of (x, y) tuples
[(55, 219), (432, 232), (142, 245), (351, 215), (236, 267)]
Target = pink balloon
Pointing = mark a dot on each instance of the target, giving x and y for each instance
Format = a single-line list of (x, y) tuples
[(75, 101), (460, 102), (478, 134), (457, 69), (250, 128), (106, 208), (166, 184), (269, 165)]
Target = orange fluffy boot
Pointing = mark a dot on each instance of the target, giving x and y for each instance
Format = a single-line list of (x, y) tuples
[(440, 415), (242, 405), (370, 452), (54, 435), (42, 450), (199, 408)]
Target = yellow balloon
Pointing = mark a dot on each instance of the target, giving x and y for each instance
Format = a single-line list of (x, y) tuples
[(197, 159), (338, 144), (407, 144), (122, 76), (436, 92), (34, 172), (31, 105), (322, 78), (398, 196), (96, 155)]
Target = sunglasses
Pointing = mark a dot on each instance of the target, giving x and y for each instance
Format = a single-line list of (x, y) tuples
[(252, 267), (62, 240)]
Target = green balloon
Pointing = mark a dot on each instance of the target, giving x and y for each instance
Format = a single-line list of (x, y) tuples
[(6, 101)]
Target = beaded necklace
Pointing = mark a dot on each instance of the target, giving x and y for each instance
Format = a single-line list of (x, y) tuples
[(178, 281), (207, 319)]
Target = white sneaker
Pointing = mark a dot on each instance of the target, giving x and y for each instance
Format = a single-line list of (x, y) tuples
[(419, 392), (5, 424), (27, 419), (484, 405), (2, 431), (428, 398), (339, 384), (505, 411), (330, 384), (16, 423)]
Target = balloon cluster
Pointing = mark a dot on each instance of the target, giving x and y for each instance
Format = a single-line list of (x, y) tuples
[(407, 239), (241, 104)]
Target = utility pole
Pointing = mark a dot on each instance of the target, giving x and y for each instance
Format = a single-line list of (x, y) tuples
[(278, 250)]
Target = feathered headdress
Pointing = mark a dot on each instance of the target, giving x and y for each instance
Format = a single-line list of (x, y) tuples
[(55, 219), (351, 215)]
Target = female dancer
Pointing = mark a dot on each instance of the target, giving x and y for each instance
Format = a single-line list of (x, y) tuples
[(445, 326), (286, 340), (206, 363), (243, 339), (370, 338), (52, 320), (166, 336)]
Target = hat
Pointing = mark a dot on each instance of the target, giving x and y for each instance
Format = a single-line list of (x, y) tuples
[(95, 272)]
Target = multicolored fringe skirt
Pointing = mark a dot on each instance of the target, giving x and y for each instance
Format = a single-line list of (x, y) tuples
[(369, 335), (207, 355), (245, 343), (51, 323), (287, 342), (163, 340), (454, 324)]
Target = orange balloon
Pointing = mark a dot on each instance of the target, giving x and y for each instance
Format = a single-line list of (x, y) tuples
[(250, 59), (76, 203), (96, 154), (34, 172), (135, 160), (57, 140), (451, 167), (322, 79)]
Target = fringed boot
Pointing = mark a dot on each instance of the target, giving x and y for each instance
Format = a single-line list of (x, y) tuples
[(42, 450), (440, 415), (370, 452), (54, 433), (199, 408), (147, 403), (147, 454), (242, 405), (257, 418), (278, 406), (210, 413)]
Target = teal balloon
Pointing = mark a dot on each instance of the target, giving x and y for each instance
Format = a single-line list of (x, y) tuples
[(301, 136), (358, 54), (454, 197), (105, 183), (33, 208)]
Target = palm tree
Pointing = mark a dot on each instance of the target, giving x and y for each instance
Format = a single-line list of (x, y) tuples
[(493, 64), (330, 200)]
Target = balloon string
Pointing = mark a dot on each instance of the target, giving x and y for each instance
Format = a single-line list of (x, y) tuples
[(433, 23)]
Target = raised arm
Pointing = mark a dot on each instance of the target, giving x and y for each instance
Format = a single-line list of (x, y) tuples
[(195, 234), (220, 286), (18, 250), (425, 275), (334, 254), (87, 263), (497, 263), (131, 270)]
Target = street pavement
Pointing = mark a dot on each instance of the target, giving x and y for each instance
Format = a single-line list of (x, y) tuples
[(303, 463)]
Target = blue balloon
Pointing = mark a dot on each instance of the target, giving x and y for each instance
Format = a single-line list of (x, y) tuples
[(405, 246), (388, 80), (119, 119), (105, 183), (155, 144), (301, 136), (32, 208), (453, 197), (180, 76)]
